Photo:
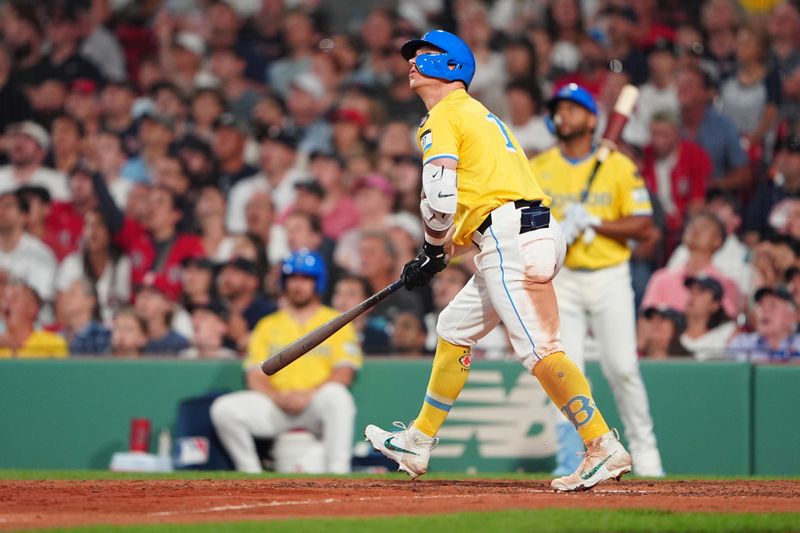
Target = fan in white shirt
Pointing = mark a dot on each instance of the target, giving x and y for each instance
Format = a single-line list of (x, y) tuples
[(27, 148)]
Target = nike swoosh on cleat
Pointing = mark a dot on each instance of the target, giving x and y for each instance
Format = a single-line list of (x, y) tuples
[(593, 471), (390, 446)]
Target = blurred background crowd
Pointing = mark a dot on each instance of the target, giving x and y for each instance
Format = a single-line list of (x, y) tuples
[(159, 159)]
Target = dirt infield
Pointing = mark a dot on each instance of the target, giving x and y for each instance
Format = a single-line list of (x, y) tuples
[(34, 504)]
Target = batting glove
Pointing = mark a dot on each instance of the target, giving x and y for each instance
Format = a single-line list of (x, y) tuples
[(581, 221), (419, 271)]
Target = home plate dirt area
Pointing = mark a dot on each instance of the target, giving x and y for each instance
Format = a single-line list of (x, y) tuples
[(36, 504)]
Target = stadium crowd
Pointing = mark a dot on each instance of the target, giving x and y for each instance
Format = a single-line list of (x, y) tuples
[(160, 159)]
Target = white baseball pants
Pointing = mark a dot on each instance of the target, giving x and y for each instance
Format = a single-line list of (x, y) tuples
[(603, 301), (240, 416), (513, 284)]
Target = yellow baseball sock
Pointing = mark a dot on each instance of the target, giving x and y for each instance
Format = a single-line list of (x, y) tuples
[(448, 376), (567, 387)]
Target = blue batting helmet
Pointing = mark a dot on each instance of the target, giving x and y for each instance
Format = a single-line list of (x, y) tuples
[(574, 93), (306, 263), (454, 62)]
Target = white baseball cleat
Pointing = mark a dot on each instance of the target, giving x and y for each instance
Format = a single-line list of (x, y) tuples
[(409, 448), (605, 459)]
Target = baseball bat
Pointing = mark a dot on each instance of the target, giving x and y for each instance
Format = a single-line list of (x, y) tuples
[(314, 338), (616, 123)]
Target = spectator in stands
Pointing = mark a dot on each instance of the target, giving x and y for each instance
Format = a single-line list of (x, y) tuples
[(676, 171), (306, 104), (210, 325), (27, 146), (784, 32), (406, 235), (98, 44), (279, 171), (239, 93), (301, 39), (564, 22), (519, 57), (156, 133), (209, 215), (396, 139), (720, 20), (206, 107), (659, 93), (63, 35), (197, 282), (396, 97), (733, 259), (116, 102), (621, 29), (14, 103), (750, 98), (659, 336), (525, 116), (156, 244), (170, 173), (782, 181), (348, 292), (377, 257), (78, 311), (715, 133), (775, 337), (404, 177), (773, 256), (408, 335), (23, 256), (20, 307), (237, 286), (259, 219), (106, 155), (308, 198), (154, 303), (348, 136), (704, 235), (128, 334), (67, 134), (102, 264), (169, 102), (228, 145), (312, 393), (374, 197), (338, 210), (83, 106), (708, 329)]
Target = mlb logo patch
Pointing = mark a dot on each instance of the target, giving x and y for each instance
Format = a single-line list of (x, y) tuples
[(192, 451)]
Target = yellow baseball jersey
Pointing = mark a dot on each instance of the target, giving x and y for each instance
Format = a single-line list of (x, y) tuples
[(278, 329), (492, 168), (617, 192), (39, 344)]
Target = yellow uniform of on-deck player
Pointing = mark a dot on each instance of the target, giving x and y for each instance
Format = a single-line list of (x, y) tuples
[(492, 168), (617, 191), (277, 330)]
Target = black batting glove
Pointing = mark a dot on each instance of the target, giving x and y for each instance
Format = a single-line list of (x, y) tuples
[(419, 271)]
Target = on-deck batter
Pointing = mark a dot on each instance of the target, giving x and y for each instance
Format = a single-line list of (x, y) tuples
[(594, 287), (478, 188)]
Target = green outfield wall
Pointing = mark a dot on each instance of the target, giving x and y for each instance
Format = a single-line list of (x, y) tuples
[(710, 418)]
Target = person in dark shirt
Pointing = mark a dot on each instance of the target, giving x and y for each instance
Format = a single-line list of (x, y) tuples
[(13, 103), (237, 286), (154, 303)]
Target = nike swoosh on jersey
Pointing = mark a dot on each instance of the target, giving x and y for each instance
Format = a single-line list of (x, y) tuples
[(390, 446)]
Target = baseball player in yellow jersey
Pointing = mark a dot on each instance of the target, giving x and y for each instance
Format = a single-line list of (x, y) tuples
[(594, 287), (478, 190), (312, 393)]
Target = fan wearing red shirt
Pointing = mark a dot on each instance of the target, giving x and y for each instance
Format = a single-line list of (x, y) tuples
[(154, 244), (676, 172)]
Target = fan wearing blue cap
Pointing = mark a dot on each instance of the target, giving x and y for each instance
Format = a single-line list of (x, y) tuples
[(599, 218), (479, 192), (312, 393)]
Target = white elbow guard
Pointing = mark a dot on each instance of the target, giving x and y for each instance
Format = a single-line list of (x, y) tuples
[(435, 220), (441, 188)]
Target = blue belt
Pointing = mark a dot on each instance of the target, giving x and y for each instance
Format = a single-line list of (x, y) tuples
[(533, 216)]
